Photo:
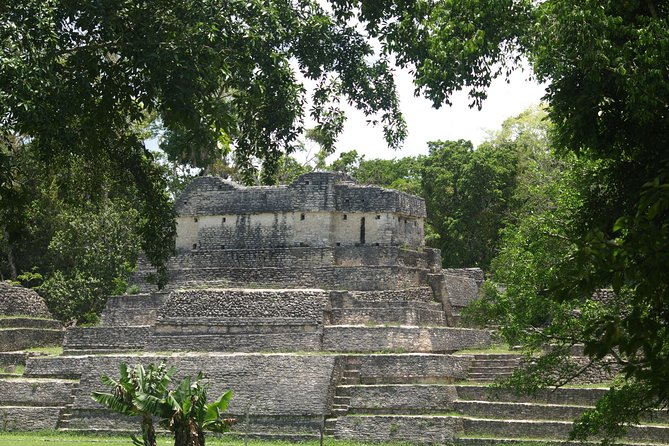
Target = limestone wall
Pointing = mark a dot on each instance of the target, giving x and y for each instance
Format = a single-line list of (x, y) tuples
[(404, 339), (318, 209), (412, 368), (20, 301), (400, 428), (216, 304), (280, 392)]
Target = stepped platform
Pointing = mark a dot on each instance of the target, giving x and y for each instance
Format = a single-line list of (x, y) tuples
[(22, 332), (319, 305)]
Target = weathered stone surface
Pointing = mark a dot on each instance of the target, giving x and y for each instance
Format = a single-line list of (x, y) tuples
[(417, 429), (21, 391), (318, 209), (340, 338), (13, 339), (23, 418), (411, 368), (461, 290), (19, 301), (401, 398), (245, 303), (106, 338)]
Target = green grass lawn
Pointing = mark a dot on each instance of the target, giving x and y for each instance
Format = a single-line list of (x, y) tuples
[(63, 439)]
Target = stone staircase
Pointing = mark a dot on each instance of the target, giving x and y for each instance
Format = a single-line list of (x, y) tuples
[(405, 307), (31, 403), (425, 408), (494, 414), (488, 367), (396, 398)]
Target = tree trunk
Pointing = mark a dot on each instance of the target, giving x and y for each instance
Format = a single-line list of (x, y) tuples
[(148, 431), (188, 434), (10, 257)]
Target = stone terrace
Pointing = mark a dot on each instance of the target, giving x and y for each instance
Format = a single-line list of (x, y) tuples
[(320, 306)]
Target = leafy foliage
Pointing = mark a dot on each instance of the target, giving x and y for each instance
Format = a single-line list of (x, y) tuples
[(126, 391), (183, 410), (608, 99)]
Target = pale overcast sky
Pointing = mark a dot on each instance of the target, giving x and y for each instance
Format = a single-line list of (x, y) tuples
[(448, 123)]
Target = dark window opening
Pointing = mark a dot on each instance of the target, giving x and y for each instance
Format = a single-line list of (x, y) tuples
[(378, 217), (362, 231), (195, 219), (301, 216), (345, 216), (338, 244), (194, 245), (306, 182), (223, 219), (222, 246)]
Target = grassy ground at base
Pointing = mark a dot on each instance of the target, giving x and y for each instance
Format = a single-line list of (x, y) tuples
[(68, 439)]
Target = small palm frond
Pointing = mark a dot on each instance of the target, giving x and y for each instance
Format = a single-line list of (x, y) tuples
[(109, 381), (214, 409), (150, 404), (114, 402)]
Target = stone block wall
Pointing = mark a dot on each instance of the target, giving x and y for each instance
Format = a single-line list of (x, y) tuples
[(20, 301), (215, 304), (284, 392), (400, 398), (404, 339), (400, 428), (318, 209), (139, 309), (13, 339), (412, 368)]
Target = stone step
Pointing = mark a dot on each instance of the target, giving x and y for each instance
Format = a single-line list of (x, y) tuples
[(28, 418), (496, 356), (568, 396), (491, 369), (488, 376), (351, 373), (398, 297), (552, 429), (353, 361), (400, 398), (403, 316), (493, 441), (13, 358), (414, 429), (536, 411), (348, 338), (266, 342), (414, 368), (106, 339), (29, 322), (339, 412), (22, 338), (344, 400), (22, 391), (350, 381), (495, 362), (518, 411)]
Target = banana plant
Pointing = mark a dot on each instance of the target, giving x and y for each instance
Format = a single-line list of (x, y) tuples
[(183, 410), (125, 393)]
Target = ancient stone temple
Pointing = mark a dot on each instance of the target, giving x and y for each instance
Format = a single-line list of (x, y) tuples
[(320, 306)]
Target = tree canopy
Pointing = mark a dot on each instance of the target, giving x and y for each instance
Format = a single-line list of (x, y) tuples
[(79, 78)]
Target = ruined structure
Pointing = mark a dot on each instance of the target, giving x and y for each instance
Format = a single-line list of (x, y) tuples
[(320, 306), (25, 320)]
